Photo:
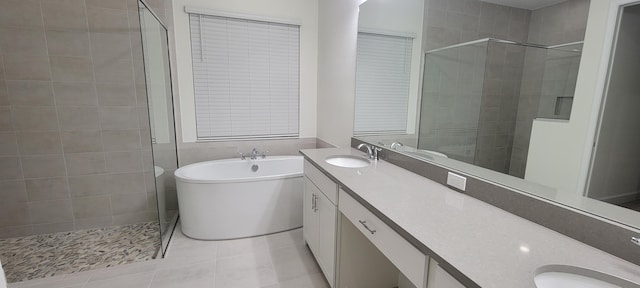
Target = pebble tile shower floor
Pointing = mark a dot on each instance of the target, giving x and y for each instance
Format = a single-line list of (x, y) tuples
[(280, 260), (40, 256)]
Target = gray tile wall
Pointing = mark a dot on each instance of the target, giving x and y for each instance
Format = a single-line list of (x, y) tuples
[(474, 116), (513, 80), (73, 119), (451, 101), (562, 23), (451, 22), (500, 96)]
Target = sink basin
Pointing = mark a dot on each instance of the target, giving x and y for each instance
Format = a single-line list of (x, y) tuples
[(348, 161), (560, 276)]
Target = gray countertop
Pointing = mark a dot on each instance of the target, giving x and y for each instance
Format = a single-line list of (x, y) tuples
[(489, 246)]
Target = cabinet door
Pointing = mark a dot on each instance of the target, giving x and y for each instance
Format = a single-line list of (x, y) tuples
[(309, 216), (438, 278), (327, 219)]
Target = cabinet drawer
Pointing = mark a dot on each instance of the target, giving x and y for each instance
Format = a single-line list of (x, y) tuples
[(409, 260), (328, 187), (440, 278)]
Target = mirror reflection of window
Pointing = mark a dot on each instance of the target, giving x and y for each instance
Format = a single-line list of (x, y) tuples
[(388, 65), (383, 71), (491, 70)]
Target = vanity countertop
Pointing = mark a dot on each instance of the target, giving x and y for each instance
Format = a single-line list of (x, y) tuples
[(489, 246)]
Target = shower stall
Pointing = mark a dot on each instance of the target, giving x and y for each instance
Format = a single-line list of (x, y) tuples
[(480, 98), (87, 140)]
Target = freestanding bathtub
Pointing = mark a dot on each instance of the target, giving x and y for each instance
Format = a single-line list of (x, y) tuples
[(234, 198)]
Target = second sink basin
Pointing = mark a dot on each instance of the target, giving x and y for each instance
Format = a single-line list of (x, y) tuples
[(560, 276), (348, 161)]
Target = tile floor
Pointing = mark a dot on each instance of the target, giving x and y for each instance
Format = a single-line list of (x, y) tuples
[(279, 260), (47, 255)]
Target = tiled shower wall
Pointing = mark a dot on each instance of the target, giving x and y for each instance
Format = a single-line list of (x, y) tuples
[(513, 79), (487, 135), (451, 101), (500, 96), (74, 131), (562, 23), (451, 22)]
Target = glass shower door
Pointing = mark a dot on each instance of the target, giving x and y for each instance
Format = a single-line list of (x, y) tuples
[(161, 119), (451, 98)]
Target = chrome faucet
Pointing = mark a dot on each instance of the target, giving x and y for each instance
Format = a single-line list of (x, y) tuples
[(372, 151), (369, 153), (395, 145), (635, 240), (254, 154)]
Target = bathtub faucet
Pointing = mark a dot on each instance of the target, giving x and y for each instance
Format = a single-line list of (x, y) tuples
[(255, 153)]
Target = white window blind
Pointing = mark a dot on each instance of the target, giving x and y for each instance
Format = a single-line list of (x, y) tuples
[(246, 77), (382, 83)]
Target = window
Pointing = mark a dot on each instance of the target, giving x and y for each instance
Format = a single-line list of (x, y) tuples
[(246, 77), (382, 83)]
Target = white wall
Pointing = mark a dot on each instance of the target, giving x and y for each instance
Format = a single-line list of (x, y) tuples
[(337, 36), (304, 12), (564, 143), (403, 18)]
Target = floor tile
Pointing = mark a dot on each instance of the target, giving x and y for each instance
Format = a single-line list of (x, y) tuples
[(122, 270), (285, 239), (48, 255), (181, 255), (229, 248), (280, 260), (58, 282), (245, 271), (306, 281), (292, 262), (199, 275), (137, 280)]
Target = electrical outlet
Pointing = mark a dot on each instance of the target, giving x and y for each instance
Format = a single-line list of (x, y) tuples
[(457, 181)]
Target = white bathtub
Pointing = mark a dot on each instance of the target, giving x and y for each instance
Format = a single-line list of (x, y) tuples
[(225, 199)]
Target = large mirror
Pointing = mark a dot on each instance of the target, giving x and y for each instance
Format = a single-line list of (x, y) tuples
[(483, 88)]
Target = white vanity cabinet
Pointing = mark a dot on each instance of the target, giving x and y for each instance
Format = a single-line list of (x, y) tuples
[(438, 278), (320, 218), (407, 259), (371, 254)]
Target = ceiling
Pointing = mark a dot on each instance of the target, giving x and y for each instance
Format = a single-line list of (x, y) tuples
[(526, 4)]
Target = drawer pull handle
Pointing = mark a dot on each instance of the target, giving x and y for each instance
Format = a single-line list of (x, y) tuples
[(364, 223), (315, 203)]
